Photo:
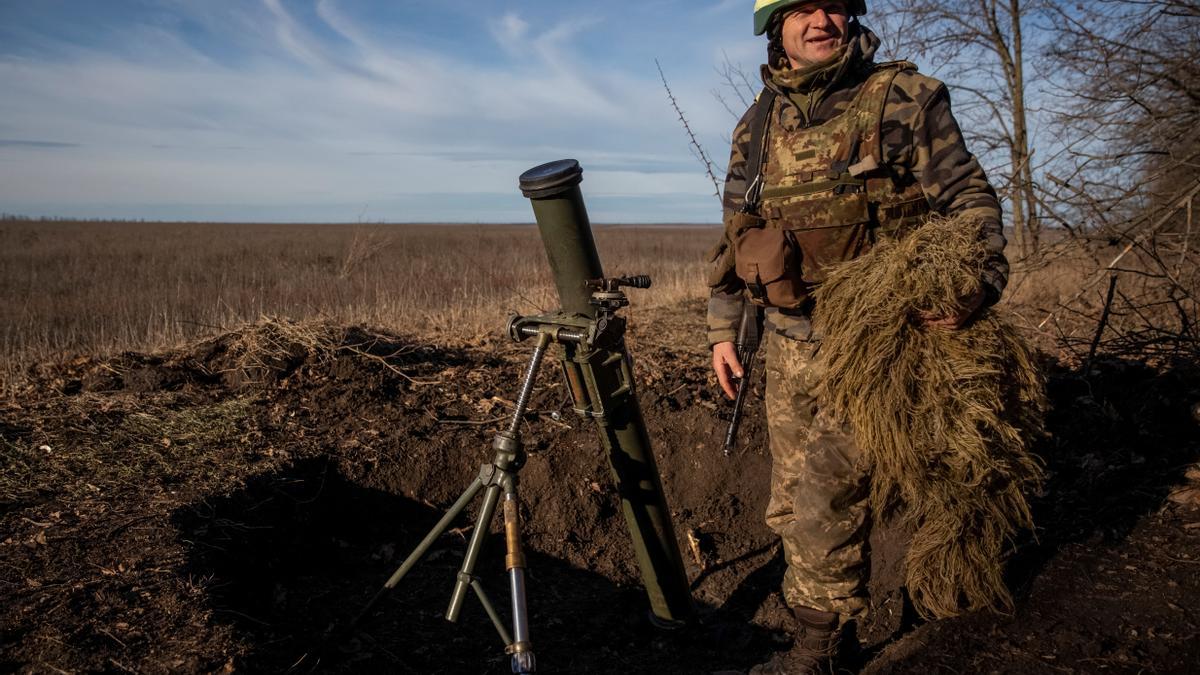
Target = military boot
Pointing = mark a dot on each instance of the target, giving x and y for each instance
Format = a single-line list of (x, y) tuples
[(814, 651)]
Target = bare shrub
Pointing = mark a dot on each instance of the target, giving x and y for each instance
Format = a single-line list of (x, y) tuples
[(363, 246)]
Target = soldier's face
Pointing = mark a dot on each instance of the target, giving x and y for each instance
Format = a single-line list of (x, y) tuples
[(813, 31)]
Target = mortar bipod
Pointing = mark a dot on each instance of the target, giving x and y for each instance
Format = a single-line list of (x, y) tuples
[(500, 475)]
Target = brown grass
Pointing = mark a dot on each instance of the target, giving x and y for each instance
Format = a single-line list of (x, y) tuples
[(70, 288)]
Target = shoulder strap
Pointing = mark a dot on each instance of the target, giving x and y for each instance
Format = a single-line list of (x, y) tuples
[(758, 143), (873, 99)]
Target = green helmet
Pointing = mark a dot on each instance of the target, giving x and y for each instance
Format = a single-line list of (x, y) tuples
[(765, 9)]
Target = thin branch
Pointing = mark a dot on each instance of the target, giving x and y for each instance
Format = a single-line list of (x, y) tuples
[(1112, 287), (708, 166)]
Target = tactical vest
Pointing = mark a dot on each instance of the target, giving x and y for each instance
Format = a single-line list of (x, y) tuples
[(819, 195)]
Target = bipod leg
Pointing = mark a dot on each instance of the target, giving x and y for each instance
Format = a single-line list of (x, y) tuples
[(466, 573), (422, 548), (523, 660)]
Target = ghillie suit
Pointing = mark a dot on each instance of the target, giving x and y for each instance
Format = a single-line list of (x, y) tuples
[(943, 417)]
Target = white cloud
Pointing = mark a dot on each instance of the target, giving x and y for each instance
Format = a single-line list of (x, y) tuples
[(510, 32)]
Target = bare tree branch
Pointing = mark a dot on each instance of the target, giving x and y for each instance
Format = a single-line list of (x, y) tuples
[(695, 143)]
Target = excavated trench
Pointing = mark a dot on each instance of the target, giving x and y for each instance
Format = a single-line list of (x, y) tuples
[(195, 516)]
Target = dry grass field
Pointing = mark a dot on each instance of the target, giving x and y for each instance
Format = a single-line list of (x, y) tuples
[(88, 288), (92, 287)]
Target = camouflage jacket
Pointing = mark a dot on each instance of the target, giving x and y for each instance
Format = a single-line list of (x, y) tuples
[(920, 140)]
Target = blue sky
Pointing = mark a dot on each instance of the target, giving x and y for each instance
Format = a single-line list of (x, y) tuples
[(340, 110)]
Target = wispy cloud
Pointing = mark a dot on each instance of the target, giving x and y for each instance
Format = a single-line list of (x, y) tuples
[(12, 143), (344, 103), (290, 37), (511, 32)]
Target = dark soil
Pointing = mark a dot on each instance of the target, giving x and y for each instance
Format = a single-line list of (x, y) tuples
[(227, 506)]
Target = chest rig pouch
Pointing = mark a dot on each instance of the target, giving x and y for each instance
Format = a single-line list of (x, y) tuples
[(818, 196)]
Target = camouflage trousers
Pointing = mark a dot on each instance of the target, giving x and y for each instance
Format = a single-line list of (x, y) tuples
[(818, 503)]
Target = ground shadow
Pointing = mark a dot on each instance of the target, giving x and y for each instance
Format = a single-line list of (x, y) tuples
[(295, 554), (1119, 439)]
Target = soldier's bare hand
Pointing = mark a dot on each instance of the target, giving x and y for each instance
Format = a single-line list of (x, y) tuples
[(969, 306), (727, 367)]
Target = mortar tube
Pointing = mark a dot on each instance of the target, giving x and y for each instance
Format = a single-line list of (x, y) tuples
[(566, 232), (562, 219)]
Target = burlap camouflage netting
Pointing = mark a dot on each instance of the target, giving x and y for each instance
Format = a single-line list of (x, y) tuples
[(944, 417)]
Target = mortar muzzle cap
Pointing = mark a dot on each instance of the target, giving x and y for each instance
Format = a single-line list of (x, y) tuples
[(551, 178)]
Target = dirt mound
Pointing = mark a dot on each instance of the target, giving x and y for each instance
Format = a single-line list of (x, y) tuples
[(221, 506)]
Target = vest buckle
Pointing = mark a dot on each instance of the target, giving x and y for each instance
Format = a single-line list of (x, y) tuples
[(753, 195)]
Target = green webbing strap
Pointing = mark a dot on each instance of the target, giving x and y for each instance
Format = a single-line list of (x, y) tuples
[(758, 142), (781, 191)]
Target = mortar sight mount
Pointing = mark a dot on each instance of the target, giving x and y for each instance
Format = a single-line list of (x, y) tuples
[(605, 329)]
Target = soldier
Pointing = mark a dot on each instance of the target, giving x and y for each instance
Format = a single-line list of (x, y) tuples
[(836, 152)]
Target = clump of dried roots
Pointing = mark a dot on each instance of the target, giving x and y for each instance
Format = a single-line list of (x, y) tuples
[(943, 417)]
